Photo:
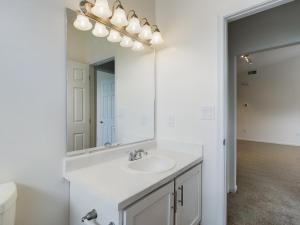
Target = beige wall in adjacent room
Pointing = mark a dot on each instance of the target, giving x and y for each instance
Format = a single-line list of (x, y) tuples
[(272, 114)]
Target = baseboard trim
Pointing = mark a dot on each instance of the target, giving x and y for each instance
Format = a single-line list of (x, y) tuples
[(268, 142), (233, 190)]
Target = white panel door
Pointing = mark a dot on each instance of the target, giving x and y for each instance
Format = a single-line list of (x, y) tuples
[(78, 108), (155, 209), (105, 108), (188, 188)]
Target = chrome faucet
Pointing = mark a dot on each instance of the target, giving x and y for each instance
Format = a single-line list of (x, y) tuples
[(137, 154)]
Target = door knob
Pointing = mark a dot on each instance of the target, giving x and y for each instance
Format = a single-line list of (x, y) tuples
[(101, 122)]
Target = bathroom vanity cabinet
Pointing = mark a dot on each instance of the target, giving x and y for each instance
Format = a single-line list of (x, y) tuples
[(106, 183), (178, 202)]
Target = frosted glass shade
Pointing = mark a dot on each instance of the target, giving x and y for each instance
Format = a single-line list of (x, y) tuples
[(134, 26), (119, 18), (156, 38), (114, 36), (100, 30), (126, 42), (82, 23), (146, 32), (101, 9), (138, 46)]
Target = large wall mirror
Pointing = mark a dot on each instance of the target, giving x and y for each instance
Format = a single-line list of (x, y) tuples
[(111, 92)]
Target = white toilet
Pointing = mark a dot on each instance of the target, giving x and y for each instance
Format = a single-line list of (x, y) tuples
[(8, 197)]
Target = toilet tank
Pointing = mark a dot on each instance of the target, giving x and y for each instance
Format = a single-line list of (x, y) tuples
[(8, 197)]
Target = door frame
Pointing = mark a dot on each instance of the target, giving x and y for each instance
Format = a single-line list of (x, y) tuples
[(222, 98)]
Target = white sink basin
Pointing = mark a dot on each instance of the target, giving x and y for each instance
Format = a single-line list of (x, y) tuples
[(151, 164)]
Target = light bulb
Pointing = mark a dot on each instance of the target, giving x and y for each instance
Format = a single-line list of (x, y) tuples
[(137, 46), (146, 32), (156, 38), (100, 30), (101, 9), (119, 18), (82, 23), (114, 36), (134, 25), (126, 42)]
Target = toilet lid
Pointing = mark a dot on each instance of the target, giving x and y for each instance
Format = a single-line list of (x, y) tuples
[(8, 196)]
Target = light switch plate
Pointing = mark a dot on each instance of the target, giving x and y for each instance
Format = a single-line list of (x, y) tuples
[(171, 121), (207, 113)]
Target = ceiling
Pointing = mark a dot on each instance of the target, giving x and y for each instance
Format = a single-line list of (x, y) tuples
[(269, 57)]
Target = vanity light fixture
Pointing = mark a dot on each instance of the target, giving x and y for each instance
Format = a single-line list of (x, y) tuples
[(128, 29), (82, 23), (126, 42), (146, 31), (134, 24), (119, 17), (100, 30), (137, 46), (101, 9), (156, 37)]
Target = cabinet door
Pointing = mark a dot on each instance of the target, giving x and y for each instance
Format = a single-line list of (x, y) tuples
[(155, 209), (188, 189)]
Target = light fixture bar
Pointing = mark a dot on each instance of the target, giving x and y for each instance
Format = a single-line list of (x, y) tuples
[(86, 7)]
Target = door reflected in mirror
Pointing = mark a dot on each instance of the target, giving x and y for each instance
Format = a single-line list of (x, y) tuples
[(105, 104), (111, 92)]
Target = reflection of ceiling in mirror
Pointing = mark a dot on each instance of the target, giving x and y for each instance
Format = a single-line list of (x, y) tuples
[(108, 67)]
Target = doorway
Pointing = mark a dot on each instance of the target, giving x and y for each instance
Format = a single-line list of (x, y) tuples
[(268, 143), (253, 37), (105, 103)]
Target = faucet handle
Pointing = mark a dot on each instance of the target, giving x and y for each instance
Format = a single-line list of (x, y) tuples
[(131, 156), (90, 216)]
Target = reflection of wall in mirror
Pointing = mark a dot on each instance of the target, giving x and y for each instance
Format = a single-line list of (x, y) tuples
[(134, 81)]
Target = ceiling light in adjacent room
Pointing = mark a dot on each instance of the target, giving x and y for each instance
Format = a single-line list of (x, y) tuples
[(246, 58)]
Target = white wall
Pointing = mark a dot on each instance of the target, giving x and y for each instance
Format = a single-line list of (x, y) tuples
[(273, 28), (187, 73), (33, 108), (272, 115), (33, 95), (33, 115)]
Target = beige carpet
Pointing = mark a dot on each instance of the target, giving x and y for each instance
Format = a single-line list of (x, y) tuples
[(268, 185)]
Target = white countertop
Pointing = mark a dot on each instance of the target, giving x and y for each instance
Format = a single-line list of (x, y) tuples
[(122, 188)]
